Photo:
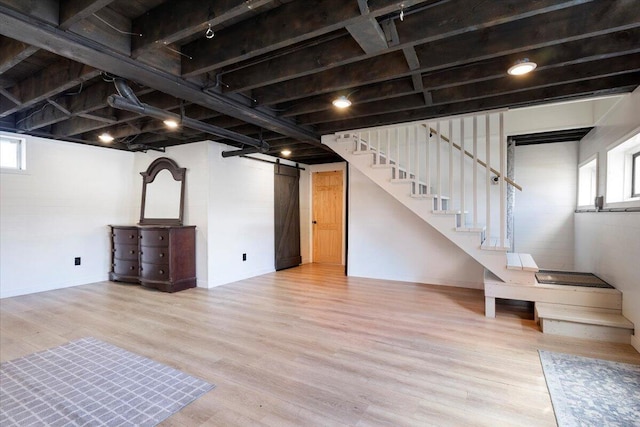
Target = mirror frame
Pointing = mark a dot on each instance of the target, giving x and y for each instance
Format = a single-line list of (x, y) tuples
[(178, 173)]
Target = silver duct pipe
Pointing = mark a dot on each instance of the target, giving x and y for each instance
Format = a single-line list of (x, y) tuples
[(125, 91), (125, 103)]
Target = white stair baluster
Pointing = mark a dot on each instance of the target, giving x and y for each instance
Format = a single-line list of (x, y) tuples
[(462, 183), (438, 160), (379, 145), (503, 183), (487, 132), (398, 153), (427, 168), (475, 171), (451, 199)]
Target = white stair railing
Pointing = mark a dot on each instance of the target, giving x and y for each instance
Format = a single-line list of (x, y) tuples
[(433, 157)]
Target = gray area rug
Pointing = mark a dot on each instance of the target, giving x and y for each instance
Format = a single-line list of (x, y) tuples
[(89, 382), (592, 392)]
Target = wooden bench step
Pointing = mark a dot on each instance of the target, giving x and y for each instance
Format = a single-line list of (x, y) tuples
[(584, 322), (586, 315), (518, 261)]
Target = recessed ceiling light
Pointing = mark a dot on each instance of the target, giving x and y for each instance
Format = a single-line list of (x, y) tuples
[(341, 102), (105, 137), (286, 153), (170, 123), (521, 67)]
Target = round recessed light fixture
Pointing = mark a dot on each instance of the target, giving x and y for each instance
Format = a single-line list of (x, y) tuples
[(341, 102), (286, 152), (521, 67), (105, 137), (170, 123)]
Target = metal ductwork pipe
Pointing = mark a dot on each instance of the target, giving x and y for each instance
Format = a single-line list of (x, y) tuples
[(126, 103), (125, 91)]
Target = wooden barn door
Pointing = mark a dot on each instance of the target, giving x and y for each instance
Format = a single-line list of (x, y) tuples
[(327, 217), (287, 217)]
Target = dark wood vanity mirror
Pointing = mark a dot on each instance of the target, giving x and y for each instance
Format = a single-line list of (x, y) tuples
[(163, 185)]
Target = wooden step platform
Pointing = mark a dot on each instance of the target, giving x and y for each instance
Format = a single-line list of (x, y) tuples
[(537, 292), (584, 322), (518, 261)]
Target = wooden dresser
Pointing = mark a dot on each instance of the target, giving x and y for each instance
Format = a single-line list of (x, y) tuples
[(161, 257)]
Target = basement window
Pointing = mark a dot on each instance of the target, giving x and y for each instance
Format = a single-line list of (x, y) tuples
[(635, 175), (12, 153), (623, 172), (587, 182)]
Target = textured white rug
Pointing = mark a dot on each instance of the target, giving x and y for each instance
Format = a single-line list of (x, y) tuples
[(592, 392), (92, 383)]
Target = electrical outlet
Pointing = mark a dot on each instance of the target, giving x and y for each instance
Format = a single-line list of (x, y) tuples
[(244, 257), (76, 260)]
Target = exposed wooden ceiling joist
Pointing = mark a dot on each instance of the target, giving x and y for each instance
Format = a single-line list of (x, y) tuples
[(274, 66)]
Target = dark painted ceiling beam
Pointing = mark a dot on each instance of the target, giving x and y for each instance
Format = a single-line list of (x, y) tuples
[(376, 69), (61, 76), (12, 52), (550, 77), (335, 51), (597, 87), (379, 91), (509, 38), (619, 47), (32, 31), (182, 19), (72, 11), (426, 26), (290, 23)]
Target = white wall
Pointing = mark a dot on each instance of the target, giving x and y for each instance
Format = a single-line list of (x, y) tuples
[(194, 157), (387, 241), (241, 217), (544, 209), (608, 244), (59, 209)]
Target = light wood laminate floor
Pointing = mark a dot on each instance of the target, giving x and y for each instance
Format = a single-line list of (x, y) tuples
[(310, 347)]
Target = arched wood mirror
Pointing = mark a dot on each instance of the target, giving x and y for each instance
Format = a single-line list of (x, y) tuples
[(163, 186)]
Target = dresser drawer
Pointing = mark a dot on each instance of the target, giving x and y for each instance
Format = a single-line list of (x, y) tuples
[(158, 272), (154, 254), (125, 267), (154, 237), (127, 236), (125, 252)]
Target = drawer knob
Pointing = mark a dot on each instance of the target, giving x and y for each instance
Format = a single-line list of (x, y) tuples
[(160, 237), (132, 268), (161, 271), (131, 236), (132, 251), (161, 255)]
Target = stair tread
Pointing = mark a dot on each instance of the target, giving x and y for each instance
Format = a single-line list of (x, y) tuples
[(585, 315), (519, 261), (528, 264)]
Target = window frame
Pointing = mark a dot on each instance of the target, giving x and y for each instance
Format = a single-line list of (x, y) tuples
[(592, 185), (635, 192), (21, 154)]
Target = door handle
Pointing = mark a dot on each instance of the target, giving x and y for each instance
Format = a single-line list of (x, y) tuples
[(314, 222)]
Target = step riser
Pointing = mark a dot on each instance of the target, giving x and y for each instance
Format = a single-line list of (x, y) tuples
[(580, 330), (559, 296)]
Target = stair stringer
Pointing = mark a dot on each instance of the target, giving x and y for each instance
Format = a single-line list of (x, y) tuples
[(445, 224)]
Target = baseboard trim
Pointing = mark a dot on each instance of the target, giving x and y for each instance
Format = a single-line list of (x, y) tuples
[(427, 281)]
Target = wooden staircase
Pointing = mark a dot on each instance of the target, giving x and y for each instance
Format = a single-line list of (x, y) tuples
[(441, 181), (420, 186)]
